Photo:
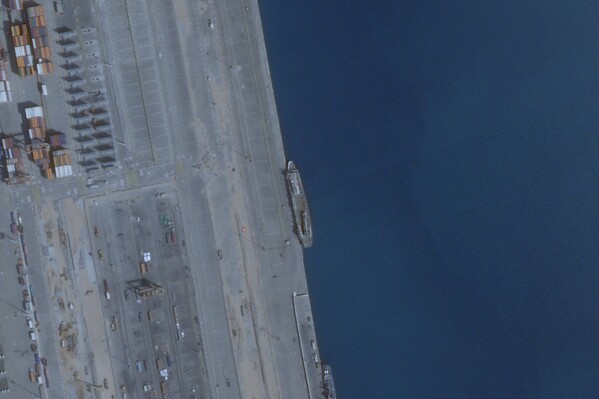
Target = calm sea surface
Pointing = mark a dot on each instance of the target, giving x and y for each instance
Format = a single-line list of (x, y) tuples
[(450, 151)]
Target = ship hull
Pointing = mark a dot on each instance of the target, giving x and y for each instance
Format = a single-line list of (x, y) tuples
[(299, 205), (328, 383)]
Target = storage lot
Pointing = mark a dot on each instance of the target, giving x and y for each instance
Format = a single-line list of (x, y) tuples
[(143, 331)]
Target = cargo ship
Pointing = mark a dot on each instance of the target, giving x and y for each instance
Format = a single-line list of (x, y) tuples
[(328, 383), (299, 204)]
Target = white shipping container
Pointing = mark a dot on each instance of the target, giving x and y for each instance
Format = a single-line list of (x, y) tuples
[(67, 170), (11, 168), (28, 49), (3, 97), (33, 112)]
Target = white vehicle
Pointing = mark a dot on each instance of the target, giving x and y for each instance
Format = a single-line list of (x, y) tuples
[(44, 90)]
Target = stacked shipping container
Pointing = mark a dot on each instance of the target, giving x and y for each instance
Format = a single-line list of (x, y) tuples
[(40, 40), (61, 159), (16, 5), (57, 141), (15, 170), (36, 124), (53, 159), (40, 152), (22, 46), (5, 95)]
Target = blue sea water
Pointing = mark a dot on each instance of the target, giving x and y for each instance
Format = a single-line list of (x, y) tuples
[(450, 150)]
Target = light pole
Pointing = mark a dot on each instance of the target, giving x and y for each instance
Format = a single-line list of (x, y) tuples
[(25, 389)]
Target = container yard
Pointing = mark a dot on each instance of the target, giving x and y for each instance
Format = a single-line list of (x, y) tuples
[(14, 170), (47, 151), (36, 124), (22, 50), (40, 40), (40, 155), (61, 160), (5, 94)]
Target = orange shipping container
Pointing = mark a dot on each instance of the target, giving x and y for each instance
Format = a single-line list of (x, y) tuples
[(143, 267)]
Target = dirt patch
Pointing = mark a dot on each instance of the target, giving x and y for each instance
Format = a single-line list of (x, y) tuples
[(76, 307)]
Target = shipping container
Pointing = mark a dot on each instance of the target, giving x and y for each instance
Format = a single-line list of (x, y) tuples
[(16, 5), (63, 171), (143, 267), (49, 174)]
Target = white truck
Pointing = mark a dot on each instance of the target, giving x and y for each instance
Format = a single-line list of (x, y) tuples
[(106, 290)]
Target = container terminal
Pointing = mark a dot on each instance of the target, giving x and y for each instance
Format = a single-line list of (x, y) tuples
[(153, 228)]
